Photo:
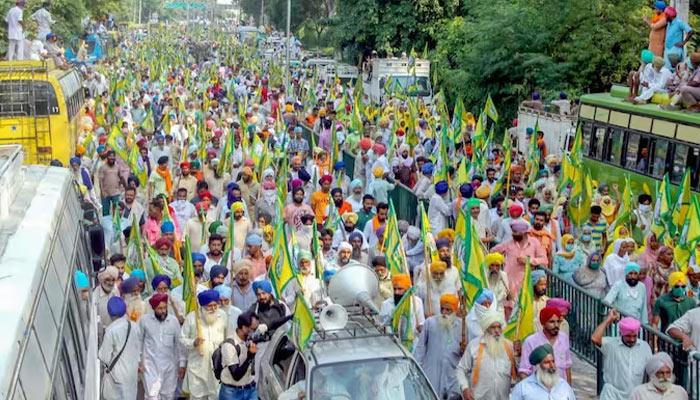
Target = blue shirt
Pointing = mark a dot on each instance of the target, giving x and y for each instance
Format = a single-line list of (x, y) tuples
[(629, 300), (531, 389), (675, 32)]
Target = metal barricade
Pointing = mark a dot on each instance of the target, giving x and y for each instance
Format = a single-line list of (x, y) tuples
[(693, 385)]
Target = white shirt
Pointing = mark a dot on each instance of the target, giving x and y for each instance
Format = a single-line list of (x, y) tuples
[(162, 354), (14, 28), (122, 382), (44, 21)]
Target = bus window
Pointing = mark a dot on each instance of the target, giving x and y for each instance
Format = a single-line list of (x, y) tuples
[(587, 128), (660, 151), (680, 162), (693, 161), (597, 142), (22, 98), (613, 145)]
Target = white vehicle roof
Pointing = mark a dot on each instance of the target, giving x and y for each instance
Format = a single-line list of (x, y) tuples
[(400, 66)]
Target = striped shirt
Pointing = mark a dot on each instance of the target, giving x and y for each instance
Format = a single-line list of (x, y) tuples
[(597, 231)]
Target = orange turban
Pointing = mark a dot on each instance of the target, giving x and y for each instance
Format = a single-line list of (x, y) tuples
[(449, 300), (401, 281)]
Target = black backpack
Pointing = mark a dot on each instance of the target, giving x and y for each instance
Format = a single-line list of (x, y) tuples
[(216, 358)]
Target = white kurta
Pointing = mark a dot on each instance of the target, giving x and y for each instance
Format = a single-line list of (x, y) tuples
[(437, 351), (122, 381), (163, 355), (199, 379), (439, 211), (494, 373), (386, 312), (446, 286)]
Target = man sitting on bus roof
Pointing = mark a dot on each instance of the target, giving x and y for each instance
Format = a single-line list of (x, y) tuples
[(653, 83)]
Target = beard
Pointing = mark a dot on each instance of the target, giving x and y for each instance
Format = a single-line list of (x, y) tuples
[(446, 322), (493, 278), (210, 317), (494, 345), (161, 317), (547, 376), (661, 384)]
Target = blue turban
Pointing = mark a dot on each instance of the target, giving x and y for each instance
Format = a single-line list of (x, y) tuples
[(466, 190), (224, 291), (328, 274), (75, 160), (428, 168), (160, 137), (138, 274), (441, 187), (199, 257), (536, 95), (167, 227), (536, 275), (355, 235), (442, 243), (264, 285), (660, 5), (529, 131), (81, 280), (485, 295), (232, 185), (100, 149), (207, 297), (161, 278), (129, 285), (632, 267), (304, 175), (339, 165), (217, 270), (253, 240), (116, 307), (356, 183)]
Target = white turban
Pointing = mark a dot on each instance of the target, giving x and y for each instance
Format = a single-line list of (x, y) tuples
[(344, 246), (413, 233), (109, 272), (656, 362), (489, 318)]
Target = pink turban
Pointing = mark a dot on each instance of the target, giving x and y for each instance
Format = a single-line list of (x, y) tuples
[(629, 325), (562, 305)]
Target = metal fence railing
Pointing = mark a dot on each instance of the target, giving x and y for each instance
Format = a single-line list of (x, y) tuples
[(587, 311)]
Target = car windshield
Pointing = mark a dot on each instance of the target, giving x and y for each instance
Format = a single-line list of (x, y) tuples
[(381, 379), (413, 85)]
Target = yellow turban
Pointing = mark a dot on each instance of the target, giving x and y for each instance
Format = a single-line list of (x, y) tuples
[(438, 266), (247, 171), (675, 278), (350, 217), (495, 258), (447, 233), (237, 206), (378, 172), (449, 300), (402, 281), (483, 192)]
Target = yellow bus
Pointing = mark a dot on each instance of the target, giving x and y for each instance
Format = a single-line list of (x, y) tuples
[(39, 109)]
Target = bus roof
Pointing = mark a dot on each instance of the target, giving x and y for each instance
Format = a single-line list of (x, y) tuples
[(614, 101), (28, 226)]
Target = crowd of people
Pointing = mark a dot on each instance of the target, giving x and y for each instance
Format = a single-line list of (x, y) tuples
[(213, 161)]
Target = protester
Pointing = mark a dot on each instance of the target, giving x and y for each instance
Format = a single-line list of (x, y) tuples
[(544, 382), (659, 370), (550, 318), (628, 296)]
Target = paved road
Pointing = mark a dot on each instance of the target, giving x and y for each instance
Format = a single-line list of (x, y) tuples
[(583, 378)]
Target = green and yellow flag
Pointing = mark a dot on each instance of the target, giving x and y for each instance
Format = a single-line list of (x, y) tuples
[(303, 323), (402, 319), (490, 109), (281, 271), (473, 277), (426, 235), (134, 253), (117, 142), (393, 246), (189, 285), (682, 205), (522, 320)]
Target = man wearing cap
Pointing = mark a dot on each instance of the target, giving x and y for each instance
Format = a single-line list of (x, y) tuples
[(401, 284), (550, 318), (107, 278), (164, 358), (543, 382), (659, 369), (436, 286), (120, 379), (343, 235), (517, 251), (439, 210), (487, 366), (672, 305), (624, 356), (628, 296), (437, 349), (200, 343)]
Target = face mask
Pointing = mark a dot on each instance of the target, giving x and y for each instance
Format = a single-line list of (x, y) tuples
[(644, 208), (678, 292), (595, 265), (631, 282), (569, 247), (585, 238)]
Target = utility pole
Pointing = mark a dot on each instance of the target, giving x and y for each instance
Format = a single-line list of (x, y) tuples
[(140, 9), (262, 12), (289, 36)]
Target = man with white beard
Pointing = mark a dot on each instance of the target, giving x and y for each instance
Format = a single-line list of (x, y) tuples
[(102, 293), (130, 291), (199, 380), (483, 304), (437, 286), (437, 350), (163, 356), (659, 369), (544, 382), (488, 366), (498, 281)]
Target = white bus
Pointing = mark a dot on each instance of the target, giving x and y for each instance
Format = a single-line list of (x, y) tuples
[(49, 342)]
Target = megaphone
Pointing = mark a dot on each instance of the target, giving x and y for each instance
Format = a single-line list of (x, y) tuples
[(333, 317), (354, 284)]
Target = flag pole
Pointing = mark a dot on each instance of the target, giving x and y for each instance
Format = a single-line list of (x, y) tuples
[(463, 308)]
